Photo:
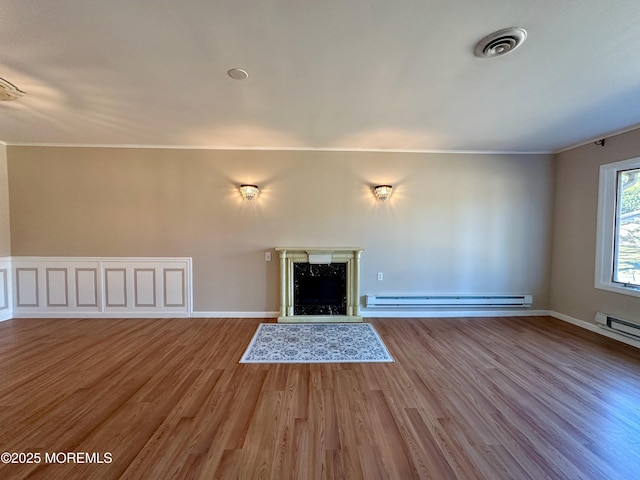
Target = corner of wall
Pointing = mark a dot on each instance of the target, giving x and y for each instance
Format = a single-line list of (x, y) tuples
[(5, 223), (592, 327), (573, 257)]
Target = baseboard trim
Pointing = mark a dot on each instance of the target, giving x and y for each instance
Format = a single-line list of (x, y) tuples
[(90, 315), (378, 313), (275, 314), (235, 314), (594, 328), (5, 317)]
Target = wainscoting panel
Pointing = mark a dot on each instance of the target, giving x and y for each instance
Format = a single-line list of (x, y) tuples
[(175, 294), (5, 289), (115, 287), (57, 287), (27, 290), (144, 287), (99, 287), (86, 286)]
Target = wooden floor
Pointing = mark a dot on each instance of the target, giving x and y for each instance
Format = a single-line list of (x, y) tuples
[(493, 398)]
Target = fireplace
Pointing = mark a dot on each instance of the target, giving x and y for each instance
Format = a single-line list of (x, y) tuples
[(319, 284)]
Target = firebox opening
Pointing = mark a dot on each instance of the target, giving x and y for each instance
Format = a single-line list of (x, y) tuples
[(320, 289)]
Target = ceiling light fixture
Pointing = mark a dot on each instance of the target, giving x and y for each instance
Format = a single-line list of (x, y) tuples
[(249, 192), (8, 91), (500, 43), (238, 74), (382, 192)]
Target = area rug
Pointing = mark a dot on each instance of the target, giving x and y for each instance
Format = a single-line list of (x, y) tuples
[(316, 343)]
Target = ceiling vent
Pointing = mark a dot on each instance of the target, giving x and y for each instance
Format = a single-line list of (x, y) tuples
[(238, 74), (500, 43), (9, 91)]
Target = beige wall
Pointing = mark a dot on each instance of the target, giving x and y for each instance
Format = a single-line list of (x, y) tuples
[(576, 205), (456, 223), (5, 231)]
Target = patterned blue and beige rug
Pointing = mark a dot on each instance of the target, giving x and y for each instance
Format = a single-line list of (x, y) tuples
[(316, 343)]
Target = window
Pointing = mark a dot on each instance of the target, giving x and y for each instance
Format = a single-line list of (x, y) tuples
[(626, 262), (618, 241)]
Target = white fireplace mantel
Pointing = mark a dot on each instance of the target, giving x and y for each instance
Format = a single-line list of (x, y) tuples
[(319, 255)]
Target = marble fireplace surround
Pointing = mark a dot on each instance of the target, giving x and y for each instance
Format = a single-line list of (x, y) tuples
[(319, 255)]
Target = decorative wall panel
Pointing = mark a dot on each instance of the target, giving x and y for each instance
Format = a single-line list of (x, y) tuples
[(57, 287), (144, 287), (4, 289), (98, 287), (175, 294), (115, 287), (86, 287), (27, 291)]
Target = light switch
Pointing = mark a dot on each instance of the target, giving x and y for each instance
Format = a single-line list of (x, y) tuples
[(267, 256)]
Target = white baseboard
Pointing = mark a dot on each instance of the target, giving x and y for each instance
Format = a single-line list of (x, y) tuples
[(89, 315), (595, 328), (389, 314), (436, 313), (5, 316), (235, 314)]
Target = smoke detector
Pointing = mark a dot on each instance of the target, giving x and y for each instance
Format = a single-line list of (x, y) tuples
[(8, 91), (500, 43)]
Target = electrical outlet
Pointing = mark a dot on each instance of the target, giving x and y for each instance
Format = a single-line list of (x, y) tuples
[(267, 256), (380, 276)]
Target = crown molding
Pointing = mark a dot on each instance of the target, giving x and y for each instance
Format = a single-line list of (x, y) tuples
[(599, 137), (279, 149)]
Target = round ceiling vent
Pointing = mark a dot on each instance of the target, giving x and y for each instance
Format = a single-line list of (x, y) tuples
[(238, 74), (8, 91), (500, 43)]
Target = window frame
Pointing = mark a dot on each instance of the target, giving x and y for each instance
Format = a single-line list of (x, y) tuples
[(606, 227)]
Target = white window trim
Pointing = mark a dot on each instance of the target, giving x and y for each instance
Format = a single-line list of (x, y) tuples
[(606, 227)]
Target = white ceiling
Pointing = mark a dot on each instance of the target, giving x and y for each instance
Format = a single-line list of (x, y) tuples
[(323, 74)]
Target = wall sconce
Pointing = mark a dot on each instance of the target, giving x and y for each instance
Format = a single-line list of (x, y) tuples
[(382, 192), (249, 192)]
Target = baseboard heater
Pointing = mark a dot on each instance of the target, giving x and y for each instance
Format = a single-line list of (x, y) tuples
[(416, 301), (618, 325)]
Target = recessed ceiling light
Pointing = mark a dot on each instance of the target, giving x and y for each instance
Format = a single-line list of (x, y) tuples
[(500, 43), (238, 74), (8, 91)]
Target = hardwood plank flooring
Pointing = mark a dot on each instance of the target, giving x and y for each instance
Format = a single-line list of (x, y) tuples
[(467, 398)]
